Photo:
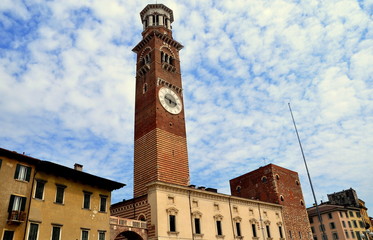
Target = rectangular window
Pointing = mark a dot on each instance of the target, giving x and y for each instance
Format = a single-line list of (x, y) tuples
[(85, 234), (344, 224), (16, 208), (197, 226), (357, 233), (39, 190), (253, 227), (355, 223), (22, 173), (268, 231), (332, 225), (335, 236), (314, 238), (322, 227), (87, 200), (218, 228), (330, 215), (312, 229), (346, 214), (290, 234), (56, 233), (172, 219), (325, 237), (238, 229), (358, 214), (361, 224), (33, 231), (349, 224), (8, 235), (101, 235), (103, 203), (340, 213), (351, 214), (311, 219), (60, 192), (280, 231), (347, 235), (352, 234)]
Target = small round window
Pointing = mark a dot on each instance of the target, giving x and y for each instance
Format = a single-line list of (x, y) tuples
[(277, 177), (238, 189)]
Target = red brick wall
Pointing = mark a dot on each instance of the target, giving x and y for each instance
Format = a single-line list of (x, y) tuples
[(160, 137), (283, 187)]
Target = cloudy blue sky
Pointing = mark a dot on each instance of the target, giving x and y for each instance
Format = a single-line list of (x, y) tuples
[(67, 78)]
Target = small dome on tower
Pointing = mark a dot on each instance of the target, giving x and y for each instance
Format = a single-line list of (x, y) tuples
[(156, 15)]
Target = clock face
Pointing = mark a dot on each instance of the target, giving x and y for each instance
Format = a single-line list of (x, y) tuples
[(170, 100)]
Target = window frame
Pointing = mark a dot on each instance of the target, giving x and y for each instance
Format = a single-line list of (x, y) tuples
[(99, 234), (103, 206), (22, 173), (83, 230), (60, 187), (39, 189), (87, 200), (31, 237), (59, 227), (9, 231)]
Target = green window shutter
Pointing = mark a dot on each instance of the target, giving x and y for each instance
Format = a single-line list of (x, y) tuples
[(28, 174), (17, 171), (23, 204), (11, 203)]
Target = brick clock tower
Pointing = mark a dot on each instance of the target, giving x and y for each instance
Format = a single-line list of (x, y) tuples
[(160, 152)]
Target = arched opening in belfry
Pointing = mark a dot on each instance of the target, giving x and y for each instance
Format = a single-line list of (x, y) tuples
[(128, 235)]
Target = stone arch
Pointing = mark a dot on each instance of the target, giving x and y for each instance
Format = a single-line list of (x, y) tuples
[(129, 235), (167, 50), (144, 53)]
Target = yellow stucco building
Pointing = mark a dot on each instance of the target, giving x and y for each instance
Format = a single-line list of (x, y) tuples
[(44, 200)]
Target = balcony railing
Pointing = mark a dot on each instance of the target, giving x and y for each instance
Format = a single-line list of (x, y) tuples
[(127, 222), (16, 217)]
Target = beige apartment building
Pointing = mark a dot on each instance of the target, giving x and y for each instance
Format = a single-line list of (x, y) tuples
[(44, 200), (338, 222)]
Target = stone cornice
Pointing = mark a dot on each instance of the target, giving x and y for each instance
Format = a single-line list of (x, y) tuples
[(208, 195), (164, 37)]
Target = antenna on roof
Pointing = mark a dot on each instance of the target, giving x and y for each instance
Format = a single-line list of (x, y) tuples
[(308, 173)]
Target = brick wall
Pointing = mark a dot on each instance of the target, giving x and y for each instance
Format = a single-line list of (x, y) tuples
[(275, 184)]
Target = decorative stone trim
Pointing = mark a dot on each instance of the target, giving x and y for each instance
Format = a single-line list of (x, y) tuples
[(162, 82)]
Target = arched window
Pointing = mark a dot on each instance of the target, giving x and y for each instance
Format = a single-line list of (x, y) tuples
[(264, 179)]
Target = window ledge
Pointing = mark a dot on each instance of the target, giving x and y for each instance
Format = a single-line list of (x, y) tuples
[(20, 180), (220, 236), (198, 235), (62, 204), (173, 233)]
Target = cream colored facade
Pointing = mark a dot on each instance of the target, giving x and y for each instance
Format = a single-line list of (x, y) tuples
[(57, 202), (237, 216)]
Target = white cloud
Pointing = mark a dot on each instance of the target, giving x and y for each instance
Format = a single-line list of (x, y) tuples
[(67, 77)]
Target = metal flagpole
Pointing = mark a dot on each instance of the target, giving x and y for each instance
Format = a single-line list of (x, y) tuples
[(309, 177)]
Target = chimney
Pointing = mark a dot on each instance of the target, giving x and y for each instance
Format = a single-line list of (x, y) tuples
[(78, 167)]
